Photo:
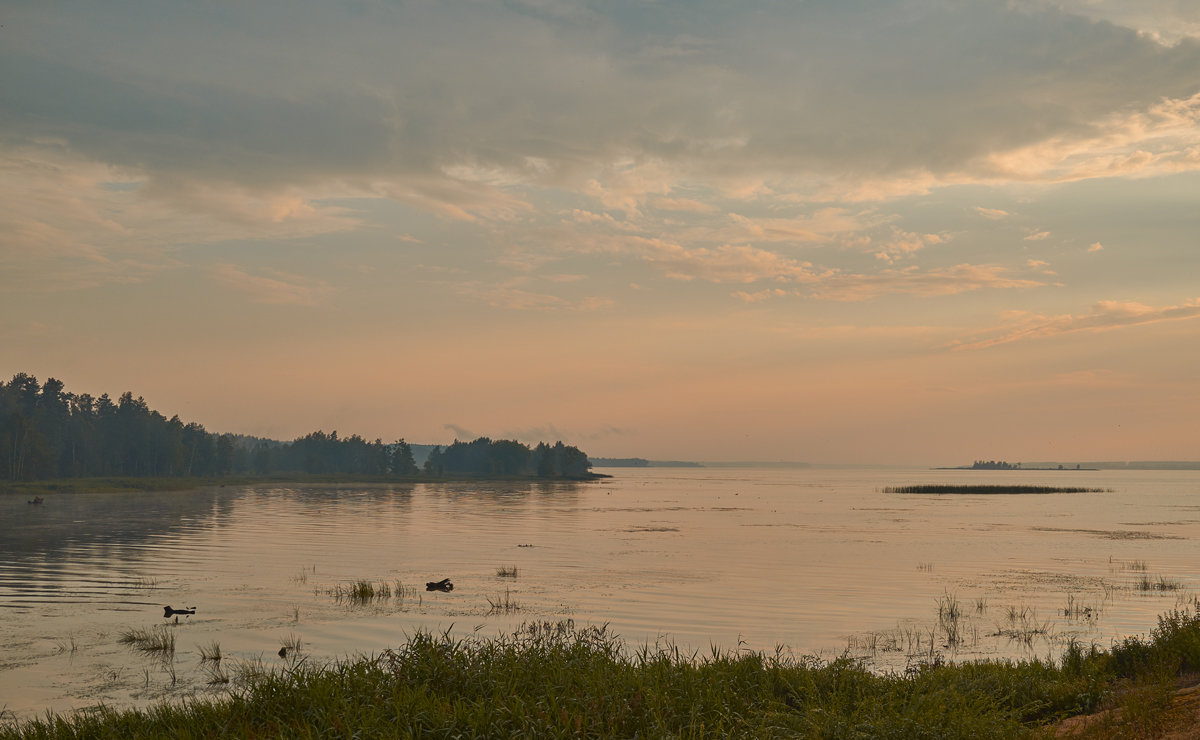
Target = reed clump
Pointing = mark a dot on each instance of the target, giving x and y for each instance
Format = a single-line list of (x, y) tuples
[(558, 680), (157, 639), (211, 653), (503, 604), (364, 591), (1157, 583)]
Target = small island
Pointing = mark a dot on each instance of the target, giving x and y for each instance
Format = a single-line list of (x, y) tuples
[(943, 488), (1004, 465)]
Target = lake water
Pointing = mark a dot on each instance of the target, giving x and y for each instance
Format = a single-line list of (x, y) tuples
[(819, 561)]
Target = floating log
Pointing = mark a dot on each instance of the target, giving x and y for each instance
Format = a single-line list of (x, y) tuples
[(442, 585), (168, 612)]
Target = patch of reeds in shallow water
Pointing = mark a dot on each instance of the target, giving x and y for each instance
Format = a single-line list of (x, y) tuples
[(364, 592), (986, 488), (158, 639)]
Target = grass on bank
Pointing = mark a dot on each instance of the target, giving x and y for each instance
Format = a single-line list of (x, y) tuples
[(984, 488), (553, 680)]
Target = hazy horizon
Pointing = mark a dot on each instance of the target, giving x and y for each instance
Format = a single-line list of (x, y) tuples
[(902, 232)]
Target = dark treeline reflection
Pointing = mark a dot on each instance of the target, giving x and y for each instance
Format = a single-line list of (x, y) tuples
[(46, 432)]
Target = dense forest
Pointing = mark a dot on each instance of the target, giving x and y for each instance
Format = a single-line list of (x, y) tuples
[(47, 432)]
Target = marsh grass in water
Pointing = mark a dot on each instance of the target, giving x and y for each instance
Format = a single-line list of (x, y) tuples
[(67, 645), (210, 653), (1157, 583), (291, 642), (506, 571), (1076, 609), (555, 680), (158, 639), (502, 604), (1023, 626), (364, 592)]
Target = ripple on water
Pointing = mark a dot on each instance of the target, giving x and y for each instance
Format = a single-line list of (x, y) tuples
[(805, 558)]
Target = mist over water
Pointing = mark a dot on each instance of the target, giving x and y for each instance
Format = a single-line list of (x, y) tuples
[(818, 561)]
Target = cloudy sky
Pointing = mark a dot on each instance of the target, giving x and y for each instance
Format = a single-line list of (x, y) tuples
[(900, 231)]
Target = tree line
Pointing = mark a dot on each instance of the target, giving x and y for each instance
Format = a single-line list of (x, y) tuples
[(47, 432)]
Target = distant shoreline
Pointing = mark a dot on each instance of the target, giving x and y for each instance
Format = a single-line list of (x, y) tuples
[(1017, 470)]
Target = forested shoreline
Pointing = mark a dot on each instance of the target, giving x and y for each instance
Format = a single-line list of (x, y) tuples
[(47, 432)]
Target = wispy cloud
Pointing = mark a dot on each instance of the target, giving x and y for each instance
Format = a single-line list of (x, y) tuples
[(848, 287), (276, 288), (515, 295), (961, 278), (906, 244), (993, 214), (725, 264), (1104, 316), (685, 205)]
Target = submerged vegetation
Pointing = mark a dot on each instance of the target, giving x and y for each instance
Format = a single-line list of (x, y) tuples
[(971, 488), (556, 680)]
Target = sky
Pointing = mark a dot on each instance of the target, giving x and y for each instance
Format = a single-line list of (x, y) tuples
[(833, 231)]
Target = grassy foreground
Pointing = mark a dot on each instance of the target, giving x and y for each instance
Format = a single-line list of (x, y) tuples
[(552, 680)]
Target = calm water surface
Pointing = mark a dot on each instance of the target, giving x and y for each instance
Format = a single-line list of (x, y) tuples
[(816, 560)]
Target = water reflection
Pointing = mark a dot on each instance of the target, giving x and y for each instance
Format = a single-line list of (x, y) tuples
[(809, 559)]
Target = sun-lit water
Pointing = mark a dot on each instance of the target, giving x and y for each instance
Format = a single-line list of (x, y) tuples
[(819, 561)]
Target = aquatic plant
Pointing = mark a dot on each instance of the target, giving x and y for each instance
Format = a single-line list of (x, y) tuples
[(506, 571), (217, 676), (950, 619), (157, 639), (291, 642), (502, 604), (364, 592), (67, 645), (1157, 583), (210, 652)]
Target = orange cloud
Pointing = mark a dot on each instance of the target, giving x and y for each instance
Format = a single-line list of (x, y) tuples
[(1104, 316)]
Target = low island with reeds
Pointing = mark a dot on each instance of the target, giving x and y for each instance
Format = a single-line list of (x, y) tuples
[(973, 488)]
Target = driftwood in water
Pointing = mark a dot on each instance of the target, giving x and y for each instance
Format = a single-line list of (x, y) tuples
[(168, 612), (36, 500), (442, 585)]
